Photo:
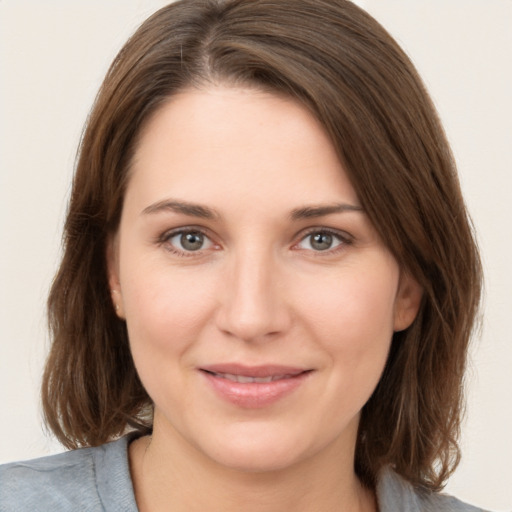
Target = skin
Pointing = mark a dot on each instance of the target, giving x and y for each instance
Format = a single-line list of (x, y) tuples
[(257, 291)]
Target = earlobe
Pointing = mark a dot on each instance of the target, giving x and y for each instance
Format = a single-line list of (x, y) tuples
[(407, 302), (118, 303), (113, 276)]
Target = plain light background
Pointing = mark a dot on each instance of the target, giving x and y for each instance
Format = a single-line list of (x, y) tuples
[(53, 56)]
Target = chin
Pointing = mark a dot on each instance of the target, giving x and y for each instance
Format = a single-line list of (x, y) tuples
[(259, 450), (254, 459)]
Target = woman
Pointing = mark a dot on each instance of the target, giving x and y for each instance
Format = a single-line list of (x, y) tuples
[(269, 276)]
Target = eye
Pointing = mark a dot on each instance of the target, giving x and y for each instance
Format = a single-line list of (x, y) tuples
[(322, 240), (188, 241)]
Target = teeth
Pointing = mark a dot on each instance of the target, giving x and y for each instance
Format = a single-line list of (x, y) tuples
[(245, 379)]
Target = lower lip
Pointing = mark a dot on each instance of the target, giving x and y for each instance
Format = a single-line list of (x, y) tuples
[(254, 395)]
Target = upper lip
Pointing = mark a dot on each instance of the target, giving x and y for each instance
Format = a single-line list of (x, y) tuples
[(262, 371)]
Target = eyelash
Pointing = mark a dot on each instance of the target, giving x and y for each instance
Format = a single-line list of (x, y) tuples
[(165, 238), (343, 238)]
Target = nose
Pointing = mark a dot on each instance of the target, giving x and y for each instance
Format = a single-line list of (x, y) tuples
[(253, 305)]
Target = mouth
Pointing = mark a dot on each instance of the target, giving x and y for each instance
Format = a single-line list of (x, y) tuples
[(256, 386), (247, 374), (247, 379)]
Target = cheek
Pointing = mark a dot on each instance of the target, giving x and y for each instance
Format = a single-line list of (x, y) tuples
[(165, 314), (354, 306), (352, 320), (165, 309)]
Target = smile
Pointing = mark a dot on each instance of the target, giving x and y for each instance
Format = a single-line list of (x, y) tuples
[(245, 379), (254, 387)]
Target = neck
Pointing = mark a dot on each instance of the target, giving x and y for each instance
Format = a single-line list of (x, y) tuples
[(169, 475)]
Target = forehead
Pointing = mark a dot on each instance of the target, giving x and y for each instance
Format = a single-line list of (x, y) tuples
[(235, 141)]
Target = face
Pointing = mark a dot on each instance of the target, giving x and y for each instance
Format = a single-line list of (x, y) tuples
[(259, 300)]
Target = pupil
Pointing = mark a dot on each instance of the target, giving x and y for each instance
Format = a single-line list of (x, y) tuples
[(191, 241), (321, 241)]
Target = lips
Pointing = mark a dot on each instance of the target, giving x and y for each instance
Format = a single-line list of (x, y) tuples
[(260, 371), (253, 386), (245, 379)]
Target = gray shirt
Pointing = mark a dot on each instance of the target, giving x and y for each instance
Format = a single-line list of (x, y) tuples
[(98, 480)]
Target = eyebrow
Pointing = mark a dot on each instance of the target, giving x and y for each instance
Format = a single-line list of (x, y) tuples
[(313, 211), (197, 210), (191, 209)]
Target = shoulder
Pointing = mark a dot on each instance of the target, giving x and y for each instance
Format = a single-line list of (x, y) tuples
[(397, 495), (89, 479), (50, 483)]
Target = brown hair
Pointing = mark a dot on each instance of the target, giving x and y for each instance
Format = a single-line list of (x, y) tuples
[(339, 62)]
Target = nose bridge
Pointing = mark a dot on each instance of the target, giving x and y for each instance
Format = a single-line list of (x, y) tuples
[(253, 306)]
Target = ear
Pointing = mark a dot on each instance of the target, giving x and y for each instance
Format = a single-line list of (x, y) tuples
[(113, 275), (407, 302)]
